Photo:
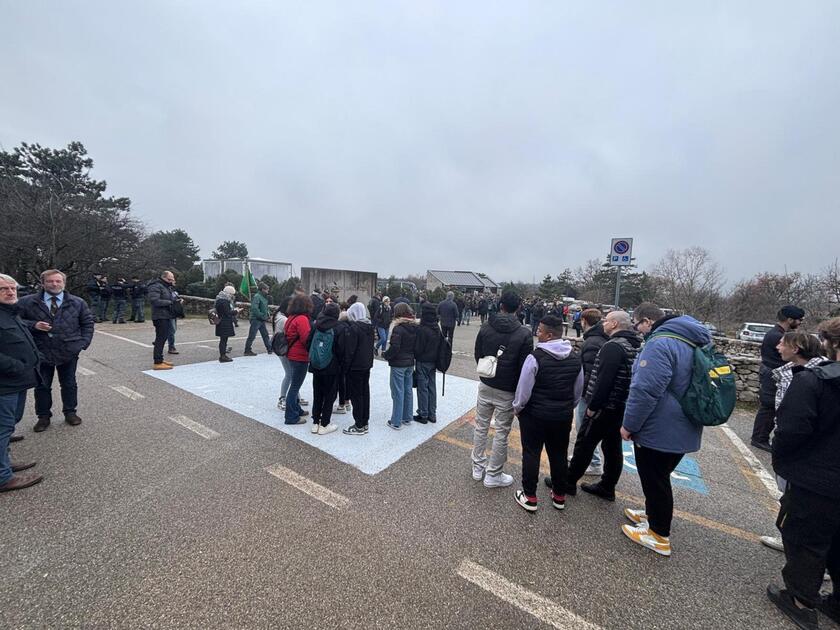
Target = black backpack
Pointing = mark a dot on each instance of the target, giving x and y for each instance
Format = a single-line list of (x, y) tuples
[(444, 355), (279, 343)]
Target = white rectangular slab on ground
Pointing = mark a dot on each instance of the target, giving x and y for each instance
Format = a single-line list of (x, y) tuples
[(250, 386)]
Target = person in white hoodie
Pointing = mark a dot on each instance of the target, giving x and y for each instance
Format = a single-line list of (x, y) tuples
[(549, 388)]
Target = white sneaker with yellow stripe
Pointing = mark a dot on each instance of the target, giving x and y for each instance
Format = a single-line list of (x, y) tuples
[(642, 535), (637, 516)]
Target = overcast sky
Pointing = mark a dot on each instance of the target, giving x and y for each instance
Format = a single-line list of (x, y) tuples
[(514, 138)]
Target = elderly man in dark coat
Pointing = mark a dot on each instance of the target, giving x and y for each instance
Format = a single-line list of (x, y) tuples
[(18, 373), (62, 326)]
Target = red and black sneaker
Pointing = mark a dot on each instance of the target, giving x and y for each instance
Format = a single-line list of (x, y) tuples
[(558, 501), (527, 503)]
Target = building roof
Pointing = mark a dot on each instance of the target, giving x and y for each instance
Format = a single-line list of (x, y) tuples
[(488, 282), (458, 278)]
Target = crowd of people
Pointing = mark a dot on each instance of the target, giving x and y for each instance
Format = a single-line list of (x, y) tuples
[(625, 382)]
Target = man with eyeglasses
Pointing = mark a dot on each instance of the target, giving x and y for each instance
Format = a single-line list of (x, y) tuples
[(654, 420), (789, 318), (18, 373)]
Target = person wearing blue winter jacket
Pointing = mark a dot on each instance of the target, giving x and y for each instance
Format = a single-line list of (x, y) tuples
[(654, 419)]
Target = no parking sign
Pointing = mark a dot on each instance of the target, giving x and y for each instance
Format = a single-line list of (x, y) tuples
[(621, 252)]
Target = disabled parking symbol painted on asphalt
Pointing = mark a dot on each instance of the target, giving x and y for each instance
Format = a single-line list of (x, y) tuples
[(687, 474)]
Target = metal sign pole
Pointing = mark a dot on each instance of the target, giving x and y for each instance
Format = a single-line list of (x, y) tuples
[(617, 286)]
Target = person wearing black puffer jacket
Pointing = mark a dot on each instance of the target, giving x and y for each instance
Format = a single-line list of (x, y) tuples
[(504, 333), (358, 362), (325, 378), (400, 356), (806, 453), (594, 338), (429, 338)]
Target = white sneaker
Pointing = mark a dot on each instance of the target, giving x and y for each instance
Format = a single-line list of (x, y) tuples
[(637, 516), (500, 480), (594, 471), (772, 542), (478, 472), (281, 404), (493, 423), (315, 427), (327, 429), (340, 409)]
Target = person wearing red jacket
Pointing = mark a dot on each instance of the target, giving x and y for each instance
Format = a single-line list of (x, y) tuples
[(297, 329)]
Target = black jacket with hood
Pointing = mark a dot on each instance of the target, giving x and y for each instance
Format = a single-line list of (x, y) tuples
[(328, 320), (593, 340), (428, 335), (806, 446), (504, 330), (358, 350), (401, 342)]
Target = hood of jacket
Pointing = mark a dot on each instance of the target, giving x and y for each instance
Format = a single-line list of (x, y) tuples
[(828, 371), (684, 326), (558, 348), (630, 336), (505, 323), (428, 314), (326, 322), (221, 295), (596, 331)]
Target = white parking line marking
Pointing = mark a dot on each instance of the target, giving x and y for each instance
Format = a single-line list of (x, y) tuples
[(755, 465), (128, 393), (84, 371), (208, 347), (317, 491), (216, 340), (136, 343), (188, 423), (536, 605)]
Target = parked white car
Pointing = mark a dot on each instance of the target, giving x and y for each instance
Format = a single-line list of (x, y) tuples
[(752, 331)]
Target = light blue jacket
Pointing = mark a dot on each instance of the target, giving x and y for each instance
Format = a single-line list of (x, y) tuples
[(661, 375)]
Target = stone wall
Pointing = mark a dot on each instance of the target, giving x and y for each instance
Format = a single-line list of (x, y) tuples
[(743, 356)]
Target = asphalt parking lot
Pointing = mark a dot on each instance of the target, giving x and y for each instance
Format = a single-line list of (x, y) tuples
[(165, 509)]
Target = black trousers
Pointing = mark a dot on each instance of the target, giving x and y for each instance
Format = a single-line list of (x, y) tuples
[(554, 435), (343, 390), (358, 382), (162, 327), (69, 388), (223, 341), (655, 468), (765, 417), (449, 333), (605, 429), (324, 390), (810, 526)]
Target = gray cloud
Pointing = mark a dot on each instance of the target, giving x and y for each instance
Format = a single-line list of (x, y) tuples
[(395, 137)]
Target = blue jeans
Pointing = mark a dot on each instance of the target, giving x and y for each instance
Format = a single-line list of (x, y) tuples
[(581, 409), (298, 374), (257, 325), (11, 411), (383, 337), (173, 326), (103, 308), (119, 311), (426, 390), (137, 306), (402, 395), (69, 388), (287, 376)]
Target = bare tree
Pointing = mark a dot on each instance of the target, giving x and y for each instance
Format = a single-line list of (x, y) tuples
[(690, 281)]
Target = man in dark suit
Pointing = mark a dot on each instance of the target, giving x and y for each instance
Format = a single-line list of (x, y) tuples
[(62, 326)]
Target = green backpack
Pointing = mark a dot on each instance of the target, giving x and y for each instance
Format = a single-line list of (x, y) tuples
[(321, 349), (711, 394)]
